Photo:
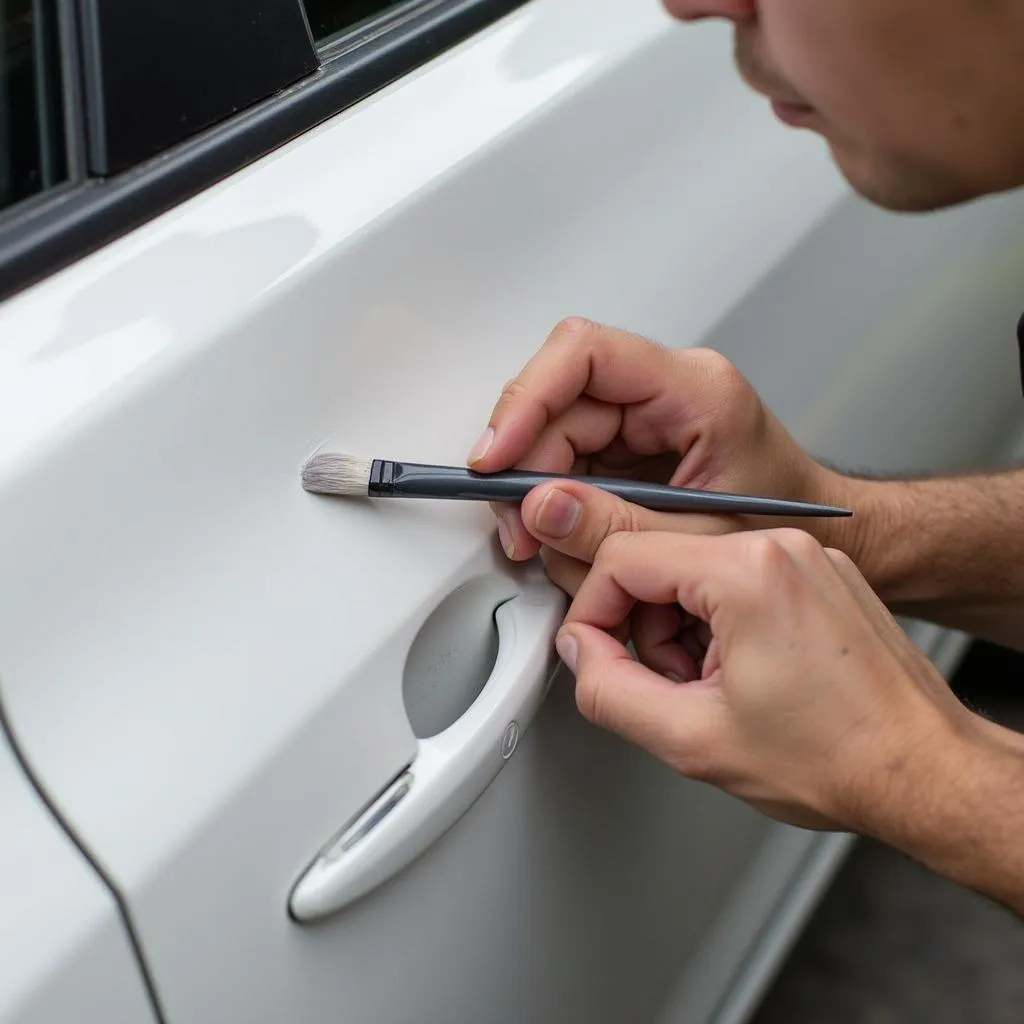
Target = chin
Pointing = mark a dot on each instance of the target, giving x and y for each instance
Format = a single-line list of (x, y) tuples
[(900, 187)]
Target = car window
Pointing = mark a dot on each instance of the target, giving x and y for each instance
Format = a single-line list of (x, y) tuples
[(83, 160), (330, 18), (32, 149)]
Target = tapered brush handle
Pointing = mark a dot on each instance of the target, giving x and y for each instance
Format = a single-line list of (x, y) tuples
[(412, 480)]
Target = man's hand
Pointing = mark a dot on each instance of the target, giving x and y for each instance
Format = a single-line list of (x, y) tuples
[(801, 695), (572, 520), (810, 703), (595, 400)]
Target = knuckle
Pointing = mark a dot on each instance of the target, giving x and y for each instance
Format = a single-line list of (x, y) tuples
[(841, 560), (768, 564), (766, 552), (649, 346), (609, 344), (719, 369), (735, 406), (799, 543), (513, 389), (513, 395), (572, 328)]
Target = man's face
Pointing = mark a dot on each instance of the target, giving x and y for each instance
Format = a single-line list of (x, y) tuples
[(920, 101)]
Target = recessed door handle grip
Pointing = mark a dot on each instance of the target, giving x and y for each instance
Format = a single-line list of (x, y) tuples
[(450, 770)]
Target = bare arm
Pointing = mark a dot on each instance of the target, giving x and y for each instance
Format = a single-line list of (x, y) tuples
[(950, 550), (959, 810)]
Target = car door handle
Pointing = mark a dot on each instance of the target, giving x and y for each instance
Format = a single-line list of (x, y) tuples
[(450, 770)]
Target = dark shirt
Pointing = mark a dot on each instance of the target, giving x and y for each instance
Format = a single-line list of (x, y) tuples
[(1020, 349)]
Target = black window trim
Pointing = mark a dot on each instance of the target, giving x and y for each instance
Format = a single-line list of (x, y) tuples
[(55, 229), (71, 81)]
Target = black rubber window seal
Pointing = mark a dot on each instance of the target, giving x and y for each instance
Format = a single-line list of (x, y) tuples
[(42, 237)]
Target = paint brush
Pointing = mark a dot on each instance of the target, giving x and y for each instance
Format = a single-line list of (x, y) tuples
[(331, 472)]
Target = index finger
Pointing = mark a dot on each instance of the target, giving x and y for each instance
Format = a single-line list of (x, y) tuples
[(711, 577), (579, 357)]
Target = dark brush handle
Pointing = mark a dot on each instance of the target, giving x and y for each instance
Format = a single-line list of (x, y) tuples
[(412, 480)]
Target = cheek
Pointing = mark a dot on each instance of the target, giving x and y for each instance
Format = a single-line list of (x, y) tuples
[(828, 58), (913, 97)]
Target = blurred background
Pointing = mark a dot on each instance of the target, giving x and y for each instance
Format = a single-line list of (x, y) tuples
[(891, 942)]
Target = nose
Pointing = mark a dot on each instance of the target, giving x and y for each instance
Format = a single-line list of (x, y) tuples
[(696, 10)]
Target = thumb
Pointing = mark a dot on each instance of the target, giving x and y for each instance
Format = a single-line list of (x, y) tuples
[(671, 720), (576, 518)]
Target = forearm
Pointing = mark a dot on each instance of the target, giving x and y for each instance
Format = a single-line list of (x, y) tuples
[(959, 810), (950, 550)]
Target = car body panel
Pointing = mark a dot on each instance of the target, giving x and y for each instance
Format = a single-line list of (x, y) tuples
[(64, 951), (226, 689)]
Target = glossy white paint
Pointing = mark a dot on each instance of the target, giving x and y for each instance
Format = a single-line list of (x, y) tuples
[(64, 954), (205, 663)]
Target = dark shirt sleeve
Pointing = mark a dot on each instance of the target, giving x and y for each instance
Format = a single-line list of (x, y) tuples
[(1020, 349)]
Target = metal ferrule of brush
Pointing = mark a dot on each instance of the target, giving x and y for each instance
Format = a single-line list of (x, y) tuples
[(411, 479), (382, 479)]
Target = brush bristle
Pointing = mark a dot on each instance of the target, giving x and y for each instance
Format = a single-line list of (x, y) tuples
[(334, 473)]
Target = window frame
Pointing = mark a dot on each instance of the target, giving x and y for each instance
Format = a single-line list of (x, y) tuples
[(58, 227), (46, 111)]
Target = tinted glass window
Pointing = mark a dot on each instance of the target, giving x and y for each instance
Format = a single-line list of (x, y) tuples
[(329, 18), (31, 105)]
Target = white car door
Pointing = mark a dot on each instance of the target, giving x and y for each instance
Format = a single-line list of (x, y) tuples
[(64, 952), (219, 679)]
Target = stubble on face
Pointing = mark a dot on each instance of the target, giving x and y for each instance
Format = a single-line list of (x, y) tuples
[(895, 180)]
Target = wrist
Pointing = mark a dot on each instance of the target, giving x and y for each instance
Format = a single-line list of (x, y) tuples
[(883, 535), (918, 774), (852, 535), (955, 805)]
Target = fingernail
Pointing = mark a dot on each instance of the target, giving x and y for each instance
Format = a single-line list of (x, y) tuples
[(558, 514), (481, 448), (567, 650), (508, 545)]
